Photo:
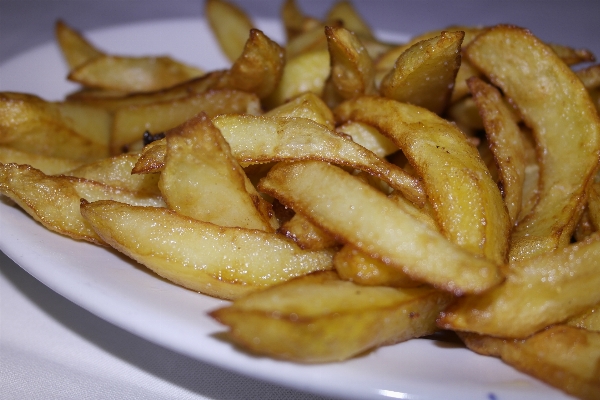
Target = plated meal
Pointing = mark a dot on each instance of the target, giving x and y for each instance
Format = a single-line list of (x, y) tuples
[(341, 192)]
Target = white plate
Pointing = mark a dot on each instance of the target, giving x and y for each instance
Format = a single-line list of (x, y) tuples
[(126, 295)]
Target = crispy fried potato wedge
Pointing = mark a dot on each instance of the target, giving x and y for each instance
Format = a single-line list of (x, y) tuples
[(112, 103), (505, 141), (368, 137), (467, 203), (131, 122), (28, 123), (202, 180), (306, 234), (48, 165), (571, 56), (311, 40), (116, 172), (255, 139), (319, 318), (193, 254), (356, 266), (590, 76), (230, 25), (589, 319), (356, 213), (538, 292), (562, 356), (352, 71), (75, 48), (425, 73), (344, 12), (305, 73), (294, 20), (556, 106), (54, 200), (132, 74), (307, 105), (258, 69)]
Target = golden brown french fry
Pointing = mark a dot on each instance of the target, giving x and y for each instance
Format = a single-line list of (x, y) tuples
[(307, 105), (506, 142), (230, 25), (54, 200), (304, 73), (565, 125), (116, 172), (368, 137), (320, 318), (594, 203), (131, 122), (562, 356), (457, 182), (306, 234), (356, 266), (193, 255), (28, 123), (132, 74), (294, 20), (345, 12), (590, 76), (315, 188), (202, 180), (571, 56), (538, 291), (352, 71), (589, 319), (75, 48), (425, 73), (46, 164)]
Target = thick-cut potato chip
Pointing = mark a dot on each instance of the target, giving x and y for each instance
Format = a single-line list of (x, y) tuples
[(356, 213), (202, 180), (54, 200), (230, 25), (425, 73), (28, 123), (556, 106), (48, 165), (562, 356), (132, 74), (319, 318), (131, 122), (538, 292), (191, 253), (506, 142), (467, 203), (75, 48)]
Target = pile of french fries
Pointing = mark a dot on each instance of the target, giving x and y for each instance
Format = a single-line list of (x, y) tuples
[(344, 192)]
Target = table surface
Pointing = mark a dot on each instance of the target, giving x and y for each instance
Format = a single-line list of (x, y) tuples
[(52, 348)]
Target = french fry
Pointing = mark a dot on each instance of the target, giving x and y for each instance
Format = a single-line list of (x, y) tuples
[(565, 125), (537, 292), (54, 200), (230, 25), (75, 48), (347, 318), (457, 182), (193, 255), (313, 188), (425, 73), (202, 180), (48, 165)]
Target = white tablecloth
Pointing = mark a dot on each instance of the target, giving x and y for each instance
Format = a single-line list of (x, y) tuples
[(51, 348)]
